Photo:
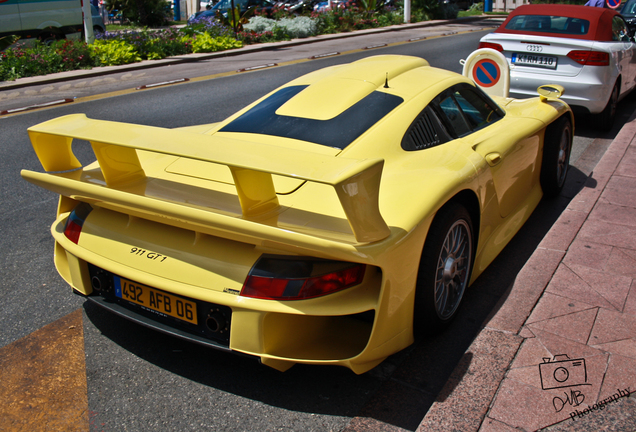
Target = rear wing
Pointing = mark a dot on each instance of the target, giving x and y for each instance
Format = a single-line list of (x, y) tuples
[(356, 182)]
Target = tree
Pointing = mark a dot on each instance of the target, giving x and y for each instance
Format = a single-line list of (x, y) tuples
[(146, 13)]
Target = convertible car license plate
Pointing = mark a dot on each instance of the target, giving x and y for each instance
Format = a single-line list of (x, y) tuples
[(534, 60), (158, 301)]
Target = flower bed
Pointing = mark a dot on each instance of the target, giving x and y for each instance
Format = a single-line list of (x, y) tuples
[(205, 35)]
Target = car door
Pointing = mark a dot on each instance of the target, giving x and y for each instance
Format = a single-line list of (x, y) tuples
[(511, 156), (9, 17)]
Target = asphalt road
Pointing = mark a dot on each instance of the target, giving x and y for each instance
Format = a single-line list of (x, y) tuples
[(140, 380)]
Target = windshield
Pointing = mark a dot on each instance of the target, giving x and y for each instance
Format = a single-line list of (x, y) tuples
[(549, 24), (227, 4)]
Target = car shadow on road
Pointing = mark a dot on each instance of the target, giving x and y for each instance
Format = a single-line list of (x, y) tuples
[(399, 392), (419, 376)]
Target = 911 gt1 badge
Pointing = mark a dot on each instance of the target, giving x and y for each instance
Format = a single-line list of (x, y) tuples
[(148, 254)]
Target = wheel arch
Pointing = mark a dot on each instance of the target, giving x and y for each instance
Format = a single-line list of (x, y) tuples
[(467, 198)]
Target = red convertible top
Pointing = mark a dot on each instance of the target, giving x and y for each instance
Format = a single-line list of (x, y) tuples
[(600, 19)]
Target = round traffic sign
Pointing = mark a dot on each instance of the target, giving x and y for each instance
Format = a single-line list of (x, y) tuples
[(613, 3), (486, 73)]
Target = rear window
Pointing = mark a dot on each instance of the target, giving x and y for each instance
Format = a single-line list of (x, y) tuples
[(338, 132), (549, 24)]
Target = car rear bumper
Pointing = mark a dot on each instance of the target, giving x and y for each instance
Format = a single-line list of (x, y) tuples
[(347, 328)]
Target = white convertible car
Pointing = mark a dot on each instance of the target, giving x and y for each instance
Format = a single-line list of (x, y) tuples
[(587, 50)]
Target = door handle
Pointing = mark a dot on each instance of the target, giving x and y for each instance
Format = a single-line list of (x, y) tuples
[(493, 158)]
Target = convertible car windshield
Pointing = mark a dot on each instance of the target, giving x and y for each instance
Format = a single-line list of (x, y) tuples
[(338, 132)]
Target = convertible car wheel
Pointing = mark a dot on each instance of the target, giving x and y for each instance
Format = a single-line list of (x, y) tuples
[(605, 118), (556, 157), (445, 268)]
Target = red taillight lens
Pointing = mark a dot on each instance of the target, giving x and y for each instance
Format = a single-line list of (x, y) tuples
[(75, 222), (491, 45), (279, 287), (590, 58), (73, 231)]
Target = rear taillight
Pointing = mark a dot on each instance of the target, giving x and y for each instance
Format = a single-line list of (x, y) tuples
[(491, 45), (291, 278), (589, 58), (75, 221)]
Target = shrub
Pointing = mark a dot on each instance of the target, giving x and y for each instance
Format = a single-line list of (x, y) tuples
[(390, 17), (207, 43), (297, 27), (151, 45), (114, 52), (251, 37), (41, 59), (208, 25), (447, 11)]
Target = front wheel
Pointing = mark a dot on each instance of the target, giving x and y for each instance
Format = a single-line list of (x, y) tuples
[(445, 268), (557, 147)]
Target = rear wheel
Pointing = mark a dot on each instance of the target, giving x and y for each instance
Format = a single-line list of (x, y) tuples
[(445, 269), (605, 119), (557, 148)]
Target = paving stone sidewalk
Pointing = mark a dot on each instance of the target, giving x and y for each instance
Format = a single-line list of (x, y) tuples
[(559, 352)]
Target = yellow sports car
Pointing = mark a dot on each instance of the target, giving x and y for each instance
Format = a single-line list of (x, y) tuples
[(317, 224)]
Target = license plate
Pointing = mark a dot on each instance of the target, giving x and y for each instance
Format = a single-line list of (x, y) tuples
[(534, 60), (155, 300)]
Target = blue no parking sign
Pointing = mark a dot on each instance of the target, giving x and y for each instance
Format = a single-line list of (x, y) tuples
[(486, 73), (613, 3)]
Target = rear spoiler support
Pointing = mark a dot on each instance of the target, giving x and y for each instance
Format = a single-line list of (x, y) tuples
[(356, 182)]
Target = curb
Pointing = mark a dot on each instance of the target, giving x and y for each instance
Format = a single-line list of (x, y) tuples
[(189, 58), (472, 388)]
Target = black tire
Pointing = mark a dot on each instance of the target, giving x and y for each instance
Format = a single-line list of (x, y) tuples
[(605, 119), (50, 35), (445, 268), (557, 148)]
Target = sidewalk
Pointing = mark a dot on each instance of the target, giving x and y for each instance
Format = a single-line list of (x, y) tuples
[(575, 297)]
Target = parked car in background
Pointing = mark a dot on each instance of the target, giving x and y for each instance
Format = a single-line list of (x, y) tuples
[(43, 19), (98, 20), (628, 11), (223, 6), (588, 50)]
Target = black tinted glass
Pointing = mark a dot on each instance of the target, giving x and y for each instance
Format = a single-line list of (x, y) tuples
[(338, 132), (549, 24)]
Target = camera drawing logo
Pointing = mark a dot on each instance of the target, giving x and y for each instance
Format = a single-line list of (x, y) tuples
[(562, 371)]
